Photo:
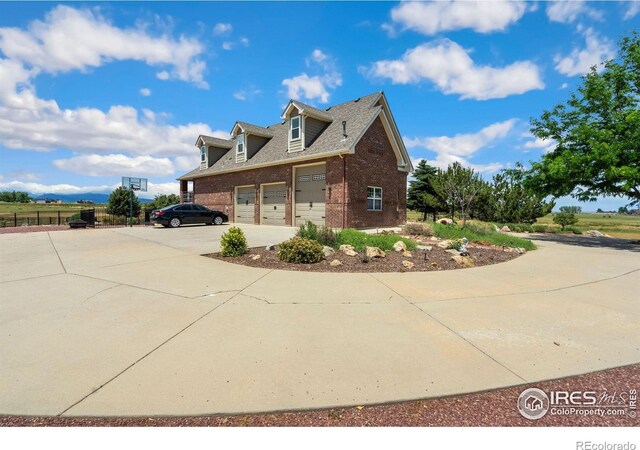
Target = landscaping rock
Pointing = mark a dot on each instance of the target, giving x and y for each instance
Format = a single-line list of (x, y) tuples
[(453, 251), (400, 246), (408, 264), (445, 221), (426, 248), (255, 257), (594, 233), (348, 250), (328, 251), (374, 252), (464, 261), (505, 229), (335, 263), (445, 244), (407, 254), (270, 247), (519, 250)]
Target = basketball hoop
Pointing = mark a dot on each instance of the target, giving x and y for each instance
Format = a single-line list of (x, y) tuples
[(135, 184)]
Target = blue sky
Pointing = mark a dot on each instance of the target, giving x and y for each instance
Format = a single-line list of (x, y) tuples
[(90, 92)]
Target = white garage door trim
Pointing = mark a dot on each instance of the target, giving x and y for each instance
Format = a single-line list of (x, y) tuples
[(262, 210), (322, 169), (235, 202)]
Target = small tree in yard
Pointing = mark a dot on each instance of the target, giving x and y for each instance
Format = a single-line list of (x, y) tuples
[(422, 195), (118, 203), (162, 200), (458, 187), (233, 242), (565, 217)]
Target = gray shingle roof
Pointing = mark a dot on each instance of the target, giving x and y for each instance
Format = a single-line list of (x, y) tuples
[(215, 142), (254, 129), (318, 113), (358, 114)]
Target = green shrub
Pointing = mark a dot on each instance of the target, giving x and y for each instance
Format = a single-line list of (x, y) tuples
[(360, 240), (565, 219), (574, 230), (519, 227), (543, 229), (323, 235), (234, 243), (418, 229), (298, 250), (480, 227), (455, 244)]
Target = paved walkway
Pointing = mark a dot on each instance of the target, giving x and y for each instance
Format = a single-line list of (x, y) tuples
[(134, 322)]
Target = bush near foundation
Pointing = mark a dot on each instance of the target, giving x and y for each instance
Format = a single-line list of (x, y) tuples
[(298, 250), (233, 242)]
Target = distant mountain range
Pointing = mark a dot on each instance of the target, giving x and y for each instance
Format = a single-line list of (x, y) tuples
[(73, 198)]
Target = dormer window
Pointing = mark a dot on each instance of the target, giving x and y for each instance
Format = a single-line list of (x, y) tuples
[(203, 157), (294, 133), (241, 155)]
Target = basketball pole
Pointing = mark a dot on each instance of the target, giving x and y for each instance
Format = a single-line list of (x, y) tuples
[(131, 207)]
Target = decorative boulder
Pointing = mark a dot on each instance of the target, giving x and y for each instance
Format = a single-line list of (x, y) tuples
[(464, 261), (255, 257), (426, 248), (328, 251), (518, 250), (374, 252), (452, 251), (348, 250), (445, 244), (505, 229), (400, 246), (445, 221), (408, 264), (335, 263), (407, 254), (594, 233)]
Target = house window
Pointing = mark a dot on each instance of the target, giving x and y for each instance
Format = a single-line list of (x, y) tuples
[(374, 198), (203, 154), (295, 129), (240, 144)]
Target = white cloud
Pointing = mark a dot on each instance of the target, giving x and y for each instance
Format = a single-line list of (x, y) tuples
[(579, 61), (222, 29), (78, 39), (227, 45), (244, 41), (564, 86), (567, 11), (547, 145), (633, 9), (246, 94), (461, 147), (433, 17), (163, 75), (116, 165), (145, 92), (451, 69), (315, 87), (39, 188)]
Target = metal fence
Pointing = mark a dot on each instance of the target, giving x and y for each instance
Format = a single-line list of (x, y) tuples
[(100, 216)]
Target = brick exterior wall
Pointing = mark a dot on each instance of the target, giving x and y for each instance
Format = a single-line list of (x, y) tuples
[(373, 164)]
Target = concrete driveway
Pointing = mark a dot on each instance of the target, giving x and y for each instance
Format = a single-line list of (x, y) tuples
[(134, 322)]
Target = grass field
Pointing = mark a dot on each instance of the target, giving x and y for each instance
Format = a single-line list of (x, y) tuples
[(618, 225), (10, 208)]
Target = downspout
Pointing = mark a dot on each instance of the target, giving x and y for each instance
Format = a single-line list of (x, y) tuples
[(344, 191)]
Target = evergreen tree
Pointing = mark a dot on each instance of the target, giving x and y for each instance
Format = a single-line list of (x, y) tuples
[(118, 203), (422, 196)]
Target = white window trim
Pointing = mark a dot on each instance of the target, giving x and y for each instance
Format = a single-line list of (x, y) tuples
[(299, 128), (241, 156), (374, 198), (204, 157)]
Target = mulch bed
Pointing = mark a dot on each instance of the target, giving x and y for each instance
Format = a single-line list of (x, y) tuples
[(493, 408), (434, 260)]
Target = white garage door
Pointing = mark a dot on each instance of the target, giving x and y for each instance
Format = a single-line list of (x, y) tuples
[(274, 197), (310, 194), (245, 204)]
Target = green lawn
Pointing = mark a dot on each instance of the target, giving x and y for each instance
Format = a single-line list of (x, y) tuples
[(620, 225), (10, 208)]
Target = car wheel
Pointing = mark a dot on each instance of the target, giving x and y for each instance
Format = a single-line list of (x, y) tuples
[(218, 220), (174, 223)]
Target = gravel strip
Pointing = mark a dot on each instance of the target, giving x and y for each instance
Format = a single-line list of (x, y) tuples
[(32, 229), (493, 408)]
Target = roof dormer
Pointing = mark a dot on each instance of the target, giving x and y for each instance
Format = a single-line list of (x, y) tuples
[(212, 149), (249, 139), (305, 124)]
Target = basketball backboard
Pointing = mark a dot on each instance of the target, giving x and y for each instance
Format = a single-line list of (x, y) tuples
[(136, 184)]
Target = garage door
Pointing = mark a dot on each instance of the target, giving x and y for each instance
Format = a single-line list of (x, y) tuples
[(245, 205), (274, 197), (310, 194)]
